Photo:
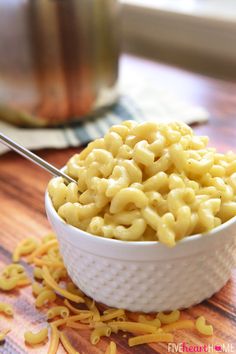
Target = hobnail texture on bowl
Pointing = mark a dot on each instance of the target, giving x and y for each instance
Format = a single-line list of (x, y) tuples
[(146, 276)]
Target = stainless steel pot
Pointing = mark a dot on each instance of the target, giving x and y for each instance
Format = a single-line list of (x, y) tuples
[(58, 59)]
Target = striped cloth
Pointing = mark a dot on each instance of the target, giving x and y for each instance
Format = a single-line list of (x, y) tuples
[(158, 105)]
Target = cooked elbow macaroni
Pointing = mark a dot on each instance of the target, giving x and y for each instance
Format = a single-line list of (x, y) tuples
[(147, 181)]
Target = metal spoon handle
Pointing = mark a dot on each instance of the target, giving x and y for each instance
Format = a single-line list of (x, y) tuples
[(33, 158)]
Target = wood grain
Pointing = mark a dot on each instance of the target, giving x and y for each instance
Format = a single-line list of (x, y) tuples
[(22, 214)]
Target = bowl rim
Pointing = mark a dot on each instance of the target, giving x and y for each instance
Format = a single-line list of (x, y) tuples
[(185, 240)]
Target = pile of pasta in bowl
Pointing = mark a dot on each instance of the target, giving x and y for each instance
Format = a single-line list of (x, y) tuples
[(147, 182), (143, 183)]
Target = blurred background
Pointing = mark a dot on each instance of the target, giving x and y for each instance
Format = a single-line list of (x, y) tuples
[(195, 34), (64, 61)]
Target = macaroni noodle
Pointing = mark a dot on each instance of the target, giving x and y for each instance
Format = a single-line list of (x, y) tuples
[(202, 327), (111, 349), (6, 309), (147, 181), (151, 328), (36, 338)]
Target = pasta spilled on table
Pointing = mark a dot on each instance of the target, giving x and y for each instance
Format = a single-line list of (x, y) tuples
[(66, 307)]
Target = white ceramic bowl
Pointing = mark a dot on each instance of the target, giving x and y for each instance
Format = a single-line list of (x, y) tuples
[(146, 276)]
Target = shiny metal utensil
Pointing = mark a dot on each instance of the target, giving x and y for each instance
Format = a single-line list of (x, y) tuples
[(33, 158)]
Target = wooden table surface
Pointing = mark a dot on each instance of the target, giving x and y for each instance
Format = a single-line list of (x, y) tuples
[(22, 211)]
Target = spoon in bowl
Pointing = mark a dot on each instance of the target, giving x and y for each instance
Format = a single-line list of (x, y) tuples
[(34, 158)]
